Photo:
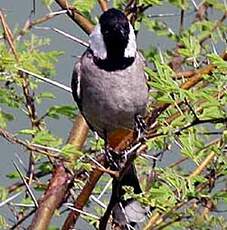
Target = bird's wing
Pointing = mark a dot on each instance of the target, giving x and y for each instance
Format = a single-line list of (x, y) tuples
[(77, 89), (75, 85)]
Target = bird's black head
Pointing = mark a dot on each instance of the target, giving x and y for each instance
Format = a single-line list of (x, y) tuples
[(113, 41), (115, 30)]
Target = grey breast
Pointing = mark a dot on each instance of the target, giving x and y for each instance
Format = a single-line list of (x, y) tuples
[(110, 100)]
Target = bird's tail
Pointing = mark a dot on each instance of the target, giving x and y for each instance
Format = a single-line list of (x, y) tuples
[(124, 212)]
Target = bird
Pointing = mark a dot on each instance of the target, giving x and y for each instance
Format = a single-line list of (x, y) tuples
[(110, 88)]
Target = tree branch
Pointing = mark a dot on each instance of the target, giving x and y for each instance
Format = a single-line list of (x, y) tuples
[(29, 24), (14, 140), (54, 196), (76, 16), (8, 34), (103, 4)]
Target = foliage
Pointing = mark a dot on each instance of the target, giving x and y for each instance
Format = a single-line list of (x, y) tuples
[(191, 128)]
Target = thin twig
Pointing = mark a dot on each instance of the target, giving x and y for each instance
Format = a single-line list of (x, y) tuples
[(14, 140), (8, 34), (103, 4), (29, 24), (203, 165), (22, 220)]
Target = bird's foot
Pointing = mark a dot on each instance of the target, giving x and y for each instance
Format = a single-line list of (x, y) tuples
[(113, 158)]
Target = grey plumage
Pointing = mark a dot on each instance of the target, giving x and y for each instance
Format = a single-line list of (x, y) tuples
[(109, 99)]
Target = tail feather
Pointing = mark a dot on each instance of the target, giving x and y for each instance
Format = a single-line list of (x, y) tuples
[(124, 212)]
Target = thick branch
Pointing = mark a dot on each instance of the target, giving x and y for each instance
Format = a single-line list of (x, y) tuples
[(52, 199)]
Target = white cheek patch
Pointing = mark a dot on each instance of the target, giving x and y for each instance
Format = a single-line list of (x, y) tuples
[(97, 43), (130, 50)]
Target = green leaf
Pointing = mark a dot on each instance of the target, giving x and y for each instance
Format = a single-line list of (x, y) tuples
[(85, 6), (46, 138), (45, 95), (159, 27), (183, 4), (10, 98), (219, 62), (52, 227), (222, 196), (84, 166), (13, 175), (47, 2), (46, 167), (3, 223), (70, 150), (119, 4), (66, 110), (27, 200), (150, 2), (5, 118), (217, 5), (3, 193), (192, 46), (36, 61), (27, 131)]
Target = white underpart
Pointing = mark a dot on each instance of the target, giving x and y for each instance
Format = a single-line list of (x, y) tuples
[(97, 43), (99, 48), (130, 50)]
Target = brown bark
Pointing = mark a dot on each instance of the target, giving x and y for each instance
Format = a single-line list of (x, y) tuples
[(52, 199)]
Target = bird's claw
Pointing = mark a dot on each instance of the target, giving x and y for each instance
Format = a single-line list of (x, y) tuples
[(140, 128)]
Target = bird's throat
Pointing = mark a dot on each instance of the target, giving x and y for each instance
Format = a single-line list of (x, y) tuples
[(114, 63)]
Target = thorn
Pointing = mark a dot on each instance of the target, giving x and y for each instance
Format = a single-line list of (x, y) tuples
[(96, 162), (105, 188), (47, 80), (194, 4), (73, 38), (26, 184), (191, 109), (20, 161), (10, 199), (70, 206), (214, 48)]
